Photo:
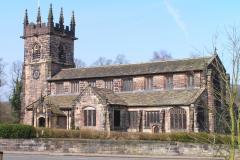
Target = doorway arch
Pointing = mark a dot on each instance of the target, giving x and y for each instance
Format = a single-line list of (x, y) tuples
[(156, 129), (41, 122)]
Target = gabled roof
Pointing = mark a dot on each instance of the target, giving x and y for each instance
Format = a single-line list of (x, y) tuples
[(161, 98), (61, 101), (134, 69)]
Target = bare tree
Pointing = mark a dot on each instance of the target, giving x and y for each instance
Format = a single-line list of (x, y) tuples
[(2, 76), (16, 72), (195, 55), (16, 85), (6, 113), (120, 59), (79, 63), (162, 55), (2, 82), (234, 49), (231, 115), (2, 73), (102, 61)]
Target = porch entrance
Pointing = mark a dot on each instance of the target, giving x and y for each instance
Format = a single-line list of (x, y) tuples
[(41, 122)]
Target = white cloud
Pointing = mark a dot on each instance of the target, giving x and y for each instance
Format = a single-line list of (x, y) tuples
[(177, 18)]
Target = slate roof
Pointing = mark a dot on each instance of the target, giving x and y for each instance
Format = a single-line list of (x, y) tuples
[(66, 101), (111, 97), (138, 99), (61, 101), (134, 69), (56, 110), (161, 98), (150, 98)]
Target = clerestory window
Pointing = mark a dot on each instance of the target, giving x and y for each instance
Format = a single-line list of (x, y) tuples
[(148, 83), (127, 84), (75, 87), (109, 84), (190, 81), (169, 82), (59, 88)]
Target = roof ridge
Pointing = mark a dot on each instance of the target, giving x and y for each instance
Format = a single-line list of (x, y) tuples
[(160, 61), (156, 90)]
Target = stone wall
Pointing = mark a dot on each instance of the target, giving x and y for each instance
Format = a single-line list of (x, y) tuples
[(152, 148)]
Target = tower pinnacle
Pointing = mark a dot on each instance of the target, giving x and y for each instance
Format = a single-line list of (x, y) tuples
[(61, 20), (39, 21), (26, 18), (50, 17), (73, 24)]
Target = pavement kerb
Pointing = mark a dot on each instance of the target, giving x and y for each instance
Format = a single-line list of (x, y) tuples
[(109, 155)]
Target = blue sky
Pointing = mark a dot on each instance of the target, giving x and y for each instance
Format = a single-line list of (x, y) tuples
[(135, 28)]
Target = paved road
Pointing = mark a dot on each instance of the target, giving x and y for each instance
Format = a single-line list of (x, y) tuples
[(13, 156)]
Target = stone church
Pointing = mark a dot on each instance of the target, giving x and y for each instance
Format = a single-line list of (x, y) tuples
[(156, 97)]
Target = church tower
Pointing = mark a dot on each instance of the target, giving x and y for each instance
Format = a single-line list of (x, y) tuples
[(48, 48)]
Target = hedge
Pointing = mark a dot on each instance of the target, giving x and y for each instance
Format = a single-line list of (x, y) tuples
[(25, 131), (201, 137), (17, 131)]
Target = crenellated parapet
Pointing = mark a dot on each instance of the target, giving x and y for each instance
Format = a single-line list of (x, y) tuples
[(37, 29)]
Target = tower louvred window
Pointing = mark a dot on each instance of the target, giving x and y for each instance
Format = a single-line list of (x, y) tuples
[(61, 54), (36, 52)]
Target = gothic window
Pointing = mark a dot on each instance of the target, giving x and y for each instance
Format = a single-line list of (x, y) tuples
[(36, 52), (148, 82), (61, 54), (133, 119), (169, 82), (127, 84), (109, 84), (59, 88), (178, 119), (190, 80), (152, 117), (75, 87), (89, 116)]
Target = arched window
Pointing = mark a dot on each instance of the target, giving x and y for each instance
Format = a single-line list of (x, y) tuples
[(36, 52), (61, 54), (178, 119), (89, 114)]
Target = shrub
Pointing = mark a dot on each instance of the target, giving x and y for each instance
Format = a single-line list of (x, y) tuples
[(191, 137), (57, 133), (17, 131)]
